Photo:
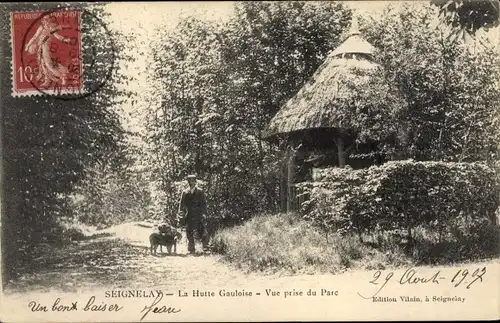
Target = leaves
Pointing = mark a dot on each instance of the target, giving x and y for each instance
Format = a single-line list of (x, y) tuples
[(449, 92), (401, 196), (220, 84), (468, 16), (49, 145)]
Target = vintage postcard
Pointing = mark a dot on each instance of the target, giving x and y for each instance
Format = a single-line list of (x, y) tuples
[(250, 161)]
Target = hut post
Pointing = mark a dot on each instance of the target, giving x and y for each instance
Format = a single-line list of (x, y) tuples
[(292, 173), (285, 155), (341, 151), (301, 170)]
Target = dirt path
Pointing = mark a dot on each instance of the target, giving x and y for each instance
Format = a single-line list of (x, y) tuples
[(174, 271), (120, 258)]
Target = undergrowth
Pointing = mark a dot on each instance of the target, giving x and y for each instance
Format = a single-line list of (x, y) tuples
[(286, 243)]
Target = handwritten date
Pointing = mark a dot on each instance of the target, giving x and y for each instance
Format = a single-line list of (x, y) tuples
[(411, 277)]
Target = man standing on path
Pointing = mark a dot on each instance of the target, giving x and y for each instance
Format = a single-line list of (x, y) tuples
[(193, 206)]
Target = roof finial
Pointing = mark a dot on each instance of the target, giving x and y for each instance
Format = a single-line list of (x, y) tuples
[(354, 26)]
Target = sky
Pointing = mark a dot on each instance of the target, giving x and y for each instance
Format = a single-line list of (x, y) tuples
[(141, 18)]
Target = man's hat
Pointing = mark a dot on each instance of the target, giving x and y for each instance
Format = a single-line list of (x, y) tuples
[(192, 176)]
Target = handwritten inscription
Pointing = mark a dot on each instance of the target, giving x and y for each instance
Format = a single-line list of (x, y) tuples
[(90, 306), (59, 306), (158, 309), (63, 308), (94, 304), (36, 307), (462, 277)]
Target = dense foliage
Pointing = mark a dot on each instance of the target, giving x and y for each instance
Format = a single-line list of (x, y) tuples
[(285, 243), (216, 87), (468, 16), (112, 194), (48, 145), (220, 85), (450, 90), (454, 200)]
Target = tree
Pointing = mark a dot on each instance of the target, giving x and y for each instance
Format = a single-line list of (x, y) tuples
[(220, 86), (111, 194), (450, 92), (48, 145)]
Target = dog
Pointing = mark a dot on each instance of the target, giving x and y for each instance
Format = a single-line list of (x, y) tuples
[(168, 237)]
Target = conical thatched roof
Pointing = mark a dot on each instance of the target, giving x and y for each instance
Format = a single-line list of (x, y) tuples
[(314, 106)]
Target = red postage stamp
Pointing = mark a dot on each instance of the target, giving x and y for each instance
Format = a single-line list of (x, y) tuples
[(46, 52)]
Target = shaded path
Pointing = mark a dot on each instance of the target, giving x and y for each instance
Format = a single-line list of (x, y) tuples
[(173, 271), (119, 258)]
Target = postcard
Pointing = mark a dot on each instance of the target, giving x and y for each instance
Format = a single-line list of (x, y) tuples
[(250, 161)]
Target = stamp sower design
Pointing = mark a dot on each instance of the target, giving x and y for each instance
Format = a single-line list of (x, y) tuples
[(46, 52)]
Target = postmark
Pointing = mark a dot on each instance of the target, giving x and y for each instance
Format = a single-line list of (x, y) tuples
[(49, 56)]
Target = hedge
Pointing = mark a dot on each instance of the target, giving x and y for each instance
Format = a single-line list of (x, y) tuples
[(449, 198)]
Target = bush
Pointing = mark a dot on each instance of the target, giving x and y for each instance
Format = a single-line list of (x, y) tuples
[(399, 196), (287, 243), (438, 211), (481, 243)]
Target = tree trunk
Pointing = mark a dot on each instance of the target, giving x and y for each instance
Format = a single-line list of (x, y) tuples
[(199, 139), (268, 199)]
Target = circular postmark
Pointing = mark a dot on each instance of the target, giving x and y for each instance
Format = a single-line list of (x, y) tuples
[(67, 53)]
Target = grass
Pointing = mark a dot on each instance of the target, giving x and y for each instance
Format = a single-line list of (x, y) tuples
[(285, 243)]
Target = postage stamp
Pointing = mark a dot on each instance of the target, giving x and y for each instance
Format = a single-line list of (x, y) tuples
[(46, 52)]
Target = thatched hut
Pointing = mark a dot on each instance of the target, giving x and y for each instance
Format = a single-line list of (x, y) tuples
[(314, 123)]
